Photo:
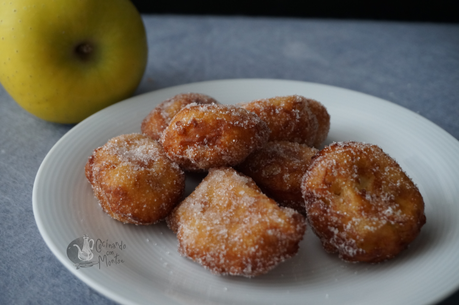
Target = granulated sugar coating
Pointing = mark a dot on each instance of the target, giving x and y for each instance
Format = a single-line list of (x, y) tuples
[(278, 168), (200, 137), (134, 180), (230, 227), (159, 118), (360, 202), (323, 121), (293, 118)]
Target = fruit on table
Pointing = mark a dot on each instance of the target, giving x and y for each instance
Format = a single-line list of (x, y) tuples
[(65, 60)]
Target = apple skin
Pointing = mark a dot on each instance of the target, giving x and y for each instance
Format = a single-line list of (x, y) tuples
[(65, 60)]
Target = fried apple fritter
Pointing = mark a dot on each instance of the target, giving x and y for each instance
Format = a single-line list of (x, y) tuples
[(159, 118), (360, 203), (290, 118), (231, 228), (200, 137), (323, 121), (133, 179), (277, 168)]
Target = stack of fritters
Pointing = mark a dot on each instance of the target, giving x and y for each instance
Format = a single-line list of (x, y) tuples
[(265, 176)]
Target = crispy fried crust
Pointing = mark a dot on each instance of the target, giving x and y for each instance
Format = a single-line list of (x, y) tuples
[(293, 118), (278, 168), (133, 179), (200, 137), (360, 202), (159, 118), (230, 227), (323, 121)]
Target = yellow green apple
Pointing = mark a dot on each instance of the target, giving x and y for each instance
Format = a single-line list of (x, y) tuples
[(63, 60)]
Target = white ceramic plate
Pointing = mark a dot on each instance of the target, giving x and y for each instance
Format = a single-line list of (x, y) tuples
[(140, 265)]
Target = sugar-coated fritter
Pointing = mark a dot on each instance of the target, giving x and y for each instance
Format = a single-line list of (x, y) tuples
[(200, 137), (277, 168), (360, 202), (159, 118), (323, 121), (290, 118), (230, 227), (134, 180)]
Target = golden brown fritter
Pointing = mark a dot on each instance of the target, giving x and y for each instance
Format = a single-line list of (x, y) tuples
[(323, 121), (290, 118), (230, 227), (277, 168), (360, 202), (134, 180), (200, 137), (159, 118)]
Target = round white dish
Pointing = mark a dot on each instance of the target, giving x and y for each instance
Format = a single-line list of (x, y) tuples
[(141, 265)]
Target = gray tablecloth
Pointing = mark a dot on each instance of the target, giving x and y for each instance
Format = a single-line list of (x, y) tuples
[(415, 65)]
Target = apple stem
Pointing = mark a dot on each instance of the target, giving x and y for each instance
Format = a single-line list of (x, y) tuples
[(83, 50)]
